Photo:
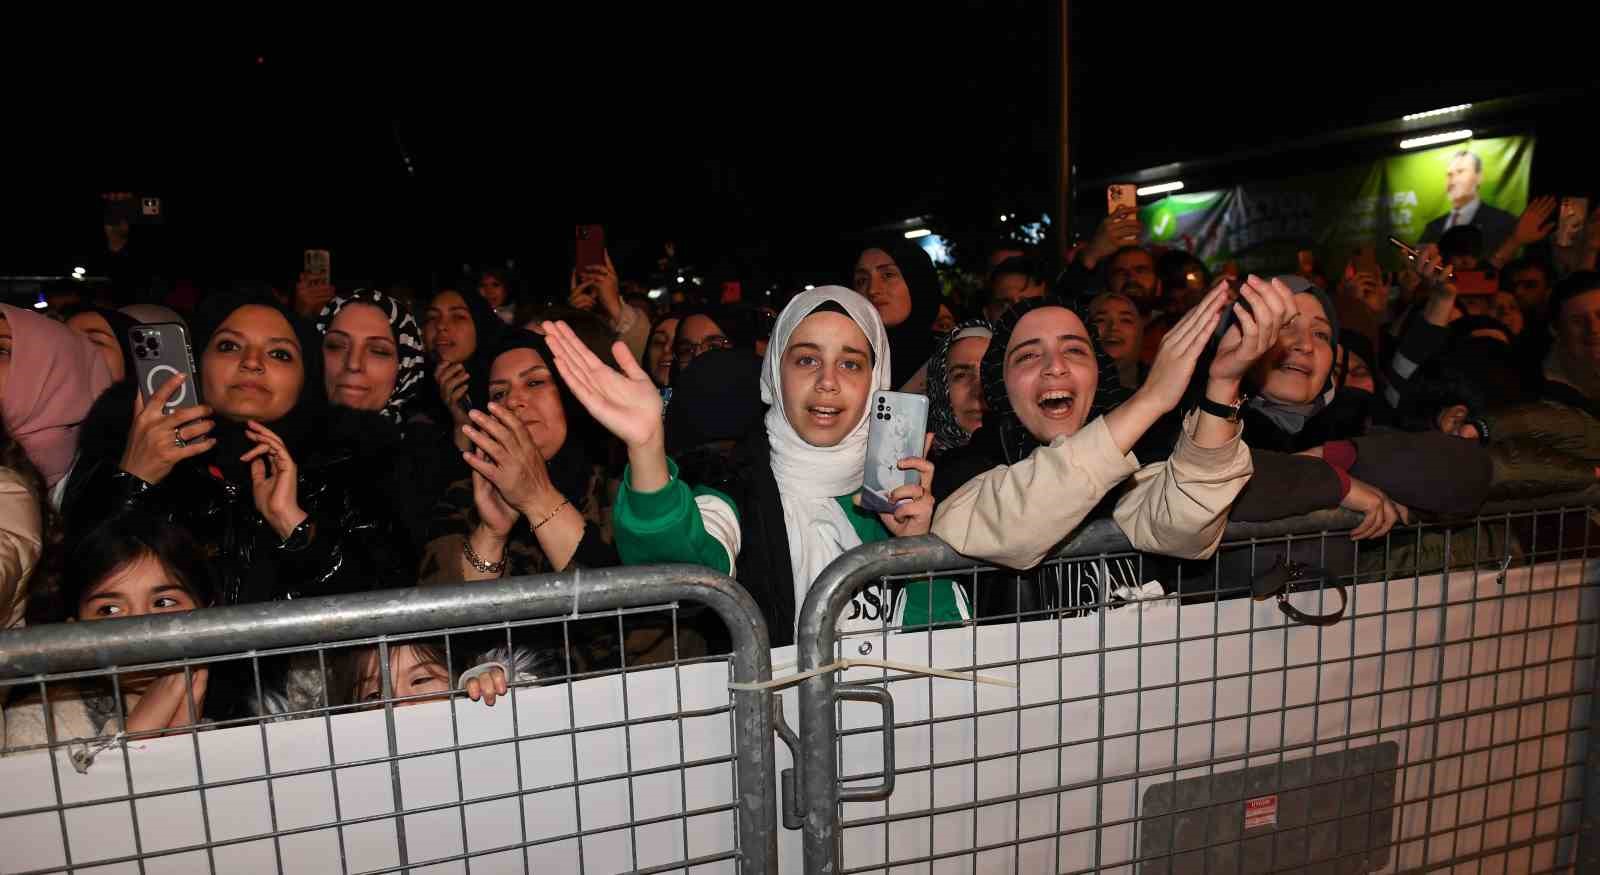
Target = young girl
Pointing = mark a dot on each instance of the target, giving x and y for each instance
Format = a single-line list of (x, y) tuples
[(128, 568), (420, 671), (788, 507)]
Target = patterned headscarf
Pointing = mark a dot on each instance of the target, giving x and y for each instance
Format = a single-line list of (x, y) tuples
[(1015, 441), (407, 340), (947, 432)]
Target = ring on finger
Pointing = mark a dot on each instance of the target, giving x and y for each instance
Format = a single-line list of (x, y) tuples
[(177, 438)]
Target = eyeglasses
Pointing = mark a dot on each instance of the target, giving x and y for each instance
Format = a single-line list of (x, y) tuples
[(686, 350)]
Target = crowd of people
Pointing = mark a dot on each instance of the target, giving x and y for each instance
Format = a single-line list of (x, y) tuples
[(356, 439)]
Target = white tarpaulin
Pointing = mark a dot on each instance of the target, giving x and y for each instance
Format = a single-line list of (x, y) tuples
[(1475, 685)]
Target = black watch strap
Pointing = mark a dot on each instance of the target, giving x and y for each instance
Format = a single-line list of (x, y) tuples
[(1230, 412)]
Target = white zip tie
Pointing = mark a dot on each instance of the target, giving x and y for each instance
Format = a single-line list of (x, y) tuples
[(577, 585), (845, 664), (479, 671), (84, 756)]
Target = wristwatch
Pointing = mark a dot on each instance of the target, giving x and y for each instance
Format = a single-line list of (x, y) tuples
[(1228, 412)]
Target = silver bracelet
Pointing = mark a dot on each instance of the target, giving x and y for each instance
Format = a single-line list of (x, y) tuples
[(477, 562)]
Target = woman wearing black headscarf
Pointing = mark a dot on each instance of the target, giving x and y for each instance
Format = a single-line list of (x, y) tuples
[(457, 329), (899, 279), (249, 473), (1382, 475), (373, 374), (1046, 457), (532, 501)]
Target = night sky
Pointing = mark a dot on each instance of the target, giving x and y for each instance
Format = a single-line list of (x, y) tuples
[(758, 137)]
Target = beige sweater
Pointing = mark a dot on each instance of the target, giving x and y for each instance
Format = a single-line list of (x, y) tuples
[(21, 540), (1015, 515)]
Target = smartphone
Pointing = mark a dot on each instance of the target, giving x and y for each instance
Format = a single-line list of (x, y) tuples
[(317, 261), (898, 429), (590, 246), (1413, 255), (1570, 220), (160, 352), (1121, 194), (134, 209)]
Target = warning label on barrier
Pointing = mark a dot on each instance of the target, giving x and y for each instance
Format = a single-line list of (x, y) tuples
[(1261, 811)]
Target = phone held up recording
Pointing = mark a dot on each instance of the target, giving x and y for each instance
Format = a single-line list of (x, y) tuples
[(1121, 195), (161, 351), (897, 430)]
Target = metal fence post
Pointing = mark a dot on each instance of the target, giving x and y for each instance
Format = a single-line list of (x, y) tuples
[(1588, 853)]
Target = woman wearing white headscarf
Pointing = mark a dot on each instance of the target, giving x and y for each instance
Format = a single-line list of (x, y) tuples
[(787, 507)]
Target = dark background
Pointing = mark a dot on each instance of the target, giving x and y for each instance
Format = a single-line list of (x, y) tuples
[(759, 137)]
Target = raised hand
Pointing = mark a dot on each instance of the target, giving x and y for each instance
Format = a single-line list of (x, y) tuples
[(1180, 350), (1535, 223), (312, 292), (597, 284), (626, 402), (1116, 230), (159, 441), (1271, 304), (511, 462), (274, 487), (452, 379)]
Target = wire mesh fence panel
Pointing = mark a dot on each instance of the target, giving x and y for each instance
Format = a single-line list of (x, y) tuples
[(1130, 714), (612, 744)]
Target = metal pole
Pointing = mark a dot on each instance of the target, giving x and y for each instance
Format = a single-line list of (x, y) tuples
[(1063, 168)]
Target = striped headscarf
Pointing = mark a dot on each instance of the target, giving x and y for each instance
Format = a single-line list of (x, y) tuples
[(407, 340), (947, 432)]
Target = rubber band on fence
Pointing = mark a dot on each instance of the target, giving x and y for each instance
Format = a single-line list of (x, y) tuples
[(846, 664)]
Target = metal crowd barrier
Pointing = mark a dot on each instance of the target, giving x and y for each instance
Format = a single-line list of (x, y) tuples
[(592, 764), (1441, 724)]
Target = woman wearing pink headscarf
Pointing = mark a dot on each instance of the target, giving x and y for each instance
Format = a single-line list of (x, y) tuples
[(49, 377)]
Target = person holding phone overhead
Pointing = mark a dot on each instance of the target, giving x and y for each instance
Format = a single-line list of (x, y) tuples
[(250, 472), (595, 288), (788, 505)]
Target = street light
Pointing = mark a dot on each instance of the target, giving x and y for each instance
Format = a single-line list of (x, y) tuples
[(1159, 188), (1443, 110), (1436, 139)]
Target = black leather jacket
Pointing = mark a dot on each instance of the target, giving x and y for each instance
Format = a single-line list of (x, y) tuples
[(355, 542)]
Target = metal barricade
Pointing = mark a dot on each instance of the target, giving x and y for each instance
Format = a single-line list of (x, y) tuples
[(1440, 724), (628, 755)]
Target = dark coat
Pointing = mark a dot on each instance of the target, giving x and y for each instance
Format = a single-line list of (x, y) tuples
[(357, 542)]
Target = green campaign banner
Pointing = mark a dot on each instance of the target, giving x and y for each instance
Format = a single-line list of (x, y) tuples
[(1413, 196)]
